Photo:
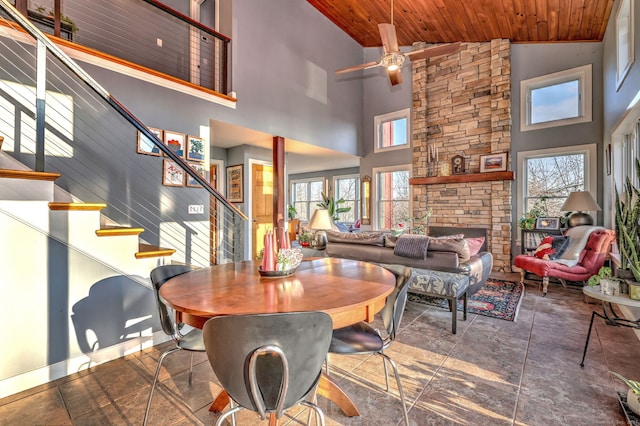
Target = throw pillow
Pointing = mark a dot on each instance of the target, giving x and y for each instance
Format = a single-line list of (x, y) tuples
[(455, 245), (448, 237), (475, 244), (551, 247)]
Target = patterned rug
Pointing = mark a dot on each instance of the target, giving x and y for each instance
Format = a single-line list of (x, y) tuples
[(496, 299)]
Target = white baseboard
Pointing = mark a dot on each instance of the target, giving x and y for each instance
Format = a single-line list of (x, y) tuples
[(31, 379)]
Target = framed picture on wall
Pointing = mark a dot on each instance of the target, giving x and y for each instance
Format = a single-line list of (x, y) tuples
[(235, 183), (200, 169), (493, 162), (175, 141), (172, 174), (195, 148), (145, 145)]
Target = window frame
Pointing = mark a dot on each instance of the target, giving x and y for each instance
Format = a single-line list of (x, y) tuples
[(625, 11), (375, 219), (590, 172), (336, 195), (308, 181), (386, 118), (585, 104)]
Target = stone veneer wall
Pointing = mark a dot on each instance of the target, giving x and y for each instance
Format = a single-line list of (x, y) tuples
[(462, 105)]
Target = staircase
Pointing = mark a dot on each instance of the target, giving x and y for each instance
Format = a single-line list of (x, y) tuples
[(28, 195)]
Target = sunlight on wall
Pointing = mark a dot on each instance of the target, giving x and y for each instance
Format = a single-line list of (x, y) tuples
[(21, 99), (189, 239), (316, 82)]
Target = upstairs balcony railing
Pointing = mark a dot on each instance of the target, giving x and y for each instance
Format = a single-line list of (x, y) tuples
[(144, 32), (54, 117)]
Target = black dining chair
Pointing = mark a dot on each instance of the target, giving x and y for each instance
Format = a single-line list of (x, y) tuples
[(268, 363), (191, 341), (362, 338)]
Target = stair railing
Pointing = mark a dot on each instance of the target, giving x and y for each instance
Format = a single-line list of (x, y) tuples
[(227, 220)]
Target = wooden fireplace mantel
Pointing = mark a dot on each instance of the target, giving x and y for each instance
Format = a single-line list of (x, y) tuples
[(463, 178)]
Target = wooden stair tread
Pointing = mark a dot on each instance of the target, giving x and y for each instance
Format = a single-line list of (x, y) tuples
[(77, 206), (110, 231), (148, 250), (28, 174)]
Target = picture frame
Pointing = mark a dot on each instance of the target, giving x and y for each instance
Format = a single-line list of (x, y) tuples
[(195, 148), (146, 146), (495, 162), (175, 141), (548, 223), (201, 170), (172, 175), (235, 183)]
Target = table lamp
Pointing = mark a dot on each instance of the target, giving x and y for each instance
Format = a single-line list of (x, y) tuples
[(578, 202), (320, 222)]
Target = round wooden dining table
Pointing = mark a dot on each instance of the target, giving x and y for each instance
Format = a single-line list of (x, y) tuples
[(349, 291)]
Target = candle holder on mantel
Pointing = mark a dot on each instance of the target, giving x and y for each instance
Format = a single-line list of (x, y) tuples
[(433, 168)]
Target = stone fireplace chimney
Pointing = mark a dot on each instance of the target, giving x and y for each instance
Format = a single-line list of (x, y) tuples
[(462, 106)]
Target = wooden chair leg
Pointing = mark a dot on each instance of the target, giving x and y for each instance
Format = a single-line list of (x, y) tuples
[(464, 304), (522, 274), (545, 285)]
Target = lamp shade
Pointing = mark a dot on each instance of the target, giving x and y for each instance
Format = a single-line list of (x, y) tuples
[(580, 201), (320, 220)]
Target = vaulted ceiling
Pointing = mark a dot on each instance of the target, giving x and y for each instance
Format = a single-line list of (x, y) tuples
[(445, 21)]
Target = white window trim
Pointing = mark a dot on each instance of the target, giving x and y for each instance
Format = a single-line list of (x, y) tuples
[(590, 177), (306, 180), (396, 115), (584, 76), (355, 176), (374, 189), (621, 74)]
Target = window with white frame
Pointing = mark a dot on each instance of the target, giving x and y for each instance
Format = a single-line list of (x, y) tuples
[(305, 195), (548, 176), (392, 130), (557, 99), (347, 189), (391, 195), (624, 40)]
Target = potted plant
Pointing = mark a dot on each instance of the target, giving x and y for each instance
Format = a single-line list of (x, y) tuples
[(608, 284), (539, 209), (305, 239), (293, 222), (627, 207), (333, 206), (633, 394)]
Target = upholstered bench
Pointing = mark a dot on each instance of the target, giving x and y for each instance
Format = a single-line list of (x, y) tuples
[(445, 285)]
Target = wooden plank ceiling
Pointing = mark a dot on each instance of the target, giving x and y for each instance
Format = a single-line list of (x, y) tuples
[(445, 21)]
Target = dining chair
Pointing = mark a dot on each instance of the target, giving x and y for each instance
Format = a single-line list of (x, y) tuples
[(362, 338), (268, 363), (191, 341)]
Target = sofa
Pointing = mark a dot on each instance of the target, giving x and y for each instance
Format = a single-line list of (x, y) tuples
[(443, 253)]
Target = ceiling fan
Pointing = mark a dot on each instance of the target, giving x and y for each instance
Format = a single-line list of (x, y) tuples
[(393, 59)]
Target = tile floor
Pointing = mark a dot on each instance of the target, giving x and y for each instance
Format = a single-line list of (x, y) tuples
[(492, 372)]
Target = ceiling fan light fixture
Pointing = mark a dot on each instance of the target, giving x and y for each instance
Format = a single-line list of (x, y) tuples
[(392, 61)]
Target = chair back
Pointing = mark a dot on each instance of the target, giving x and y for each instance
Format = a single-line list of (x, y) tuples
[(394, 307), (268, 362), (159, 276), (595, 252)]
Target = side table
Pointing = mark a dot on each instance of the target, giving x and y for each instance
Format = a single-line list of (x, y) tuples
[(608, 312)]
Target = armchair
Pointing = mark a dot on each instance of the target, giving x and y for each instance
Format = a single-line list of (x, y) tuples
[(588, 248)]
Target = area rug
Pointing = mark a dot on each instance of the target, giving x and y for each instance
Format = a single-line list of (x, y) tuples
[(496, 299)]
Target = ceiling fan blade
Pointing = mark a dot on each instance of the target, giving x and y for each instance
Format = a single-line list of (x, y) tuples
[(395, 76), (444, 49), (388, 36), (358, 67)]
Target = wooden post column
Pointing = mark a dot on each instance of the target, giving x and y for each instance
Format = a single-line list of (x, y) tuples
[(278, 182)]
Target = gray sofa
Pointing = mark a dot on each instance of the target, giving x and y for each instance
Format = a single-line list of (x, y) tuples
[(441, 255)]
